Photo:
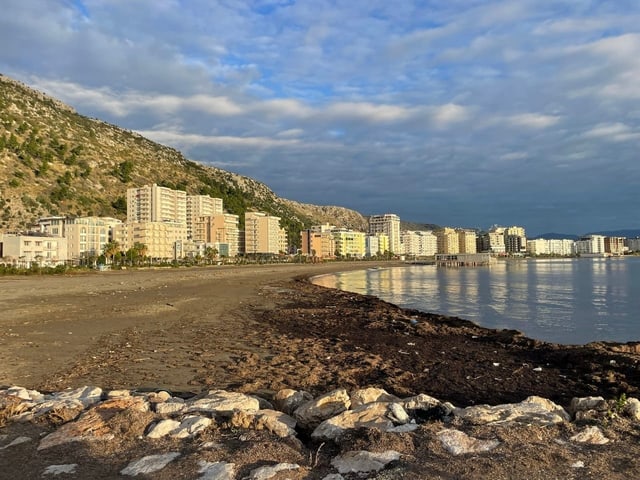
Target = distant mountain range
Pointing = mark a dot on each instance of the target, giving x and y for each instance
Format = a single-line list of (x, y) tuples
[(628, 233)]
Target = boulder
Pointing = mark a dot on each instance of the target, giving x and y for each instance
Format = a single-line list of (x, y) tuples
[(87, 395), (591, 435), (149, 464), (288, 400), (532, 411), (313, 412), (632, 408), (459, 443), (264, 473), (363, 461), (586, 404), (371, 395), (370, 415), (276, 422), (223, 403), (172, 406), (216, 470)]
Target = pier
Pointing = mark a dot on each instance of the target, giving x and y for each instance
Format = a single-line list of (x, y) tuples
[(464, 259)]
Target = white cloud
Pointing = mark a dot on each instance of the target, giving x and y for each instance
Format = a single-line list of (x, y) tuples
[(616, 132), (534, 120)]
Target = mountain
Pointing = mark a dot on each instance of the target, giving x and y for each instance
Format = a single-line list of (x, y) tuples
[(54, 161), (405, 225), (628, 233)]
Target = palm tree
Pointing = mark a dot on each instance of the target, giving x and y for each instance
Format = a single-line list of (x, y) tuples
[(210, 253), (110, 250)]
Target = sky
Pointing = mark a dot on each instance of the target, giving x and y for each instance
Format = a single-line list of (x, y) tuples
[(464, 113)]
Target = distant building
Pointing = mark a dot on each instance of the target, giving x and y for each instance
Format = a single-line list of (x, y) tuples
[(389, 224), (467, 241), (317, 243), (349, 243), (590, 245), (448, 242), (87, 236), (163, 240), (221, 228), (541, 246), (152, 203), (201, 206), (376, 244), (633, 244), (492, 241), (419, 243), (515, 240), (23, 250), (614, 245), (263, 234)]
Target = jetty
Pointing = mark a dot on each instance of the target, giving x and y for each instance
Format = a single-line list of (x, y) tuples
[(464, 259)]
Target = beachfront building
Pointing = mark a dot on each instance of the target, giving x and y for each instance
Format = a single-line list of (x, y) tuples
[(539, 246), (199, 206), (542, 246), (162, 240), (317, 243), (633, 244), (492, 241), (152, 203), (52, 226), (377, 244), (419, 243), (448, 241), (515, 240), (349, 243), (218, 229), (467, 241), (23, 250), (87, 236), (614, 245), (263, 234), (590, 245), (389, 224)]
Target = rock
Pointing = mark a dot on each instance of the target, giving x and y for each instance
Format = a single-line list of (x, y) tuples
[(172, 406), (24, 394), (397, 414), (87, 395), (632, 408), (118, 393), (371, 395), (264, 473), (16, 441), (532, 411), (92, 425), (408, 427), (276, 422), (158, 397), (424, 408), (216, 470), (163, 428), (191, 426), (333, 476), (223, 403), (288, 400), (578, 464), (149, 464), (363, 461), (60, 469), (591, 435), (459, 443), (587, 403), (313, 412), (370, 415)]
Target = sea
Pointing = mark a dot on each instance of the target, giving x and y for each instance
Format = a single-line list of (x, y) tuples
[(561, 300)]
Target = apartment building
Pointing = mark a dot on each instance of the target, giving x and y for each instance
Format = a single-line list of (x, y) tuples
[(152, 203), (221, 229), (515, 240), (160, 238), (590, 245), (492, 241), (25, 250), (263, 234), (614, 245), (467, 241), (349, 243), (377, 244), (448, 241), (201, 206), (318, 244), (419, 243), (389, 224), (87, 236), (633, 244), (541, 246)]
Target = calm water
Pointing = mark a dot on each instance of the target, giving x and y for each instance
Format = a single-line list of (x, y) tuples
[(570, 301)]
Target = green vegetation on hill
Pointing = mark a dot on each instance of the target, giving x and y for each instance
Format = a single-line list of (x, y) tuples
[(55, 161)]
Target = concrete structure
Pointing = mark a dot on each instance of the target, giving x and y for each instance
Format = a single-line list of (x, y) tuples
[(222, 229), (515, 240), (614, 245), (54, 226), (317, 244), (492, 241), (349, 243), (448, 242), (389, 224), (87, 236), (467, 241), (590, 245), (376, 244), (199, 206), (541, 246), (263, 234), (163, 240), (419, 243), (152, 203), (464, 259), (24, 250), (633, 244)]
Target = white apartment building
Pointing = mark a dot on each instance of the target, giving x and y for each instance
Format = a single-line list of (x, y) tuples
[(633, 244), (493, 241), (262, 234), (376, 244), (389, 224), (515, 240), (539, 246), (419, 243), (24, 250), (201, 206), (221, 229), (152, 203), (590, 245)]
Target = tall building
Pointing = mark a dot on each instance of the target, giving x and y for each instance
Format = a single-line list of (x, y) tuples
[(590, 245), (515, 240), (376, 244), (221, 229), (389, 224), (448, 241), (201, 206), (263, 234), (317, 243), (492, 241), (152, 203), (87, 236), (161, 239), (467, 241), (419, 243), (349, 243), (614, 245)]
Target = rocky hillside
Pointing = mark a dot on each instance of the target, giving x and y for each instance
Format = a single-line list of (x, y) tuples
[(55, 161)]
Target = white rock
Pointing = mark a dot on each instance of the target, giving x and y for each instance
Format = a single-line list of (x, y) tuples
[(264, 473), (223, 403), (459, 443), (87, 395), (316, 411), (397, 414), (363, 461), (587, 403), (20, 392), (60, 469), (118, 393), (288, 400), (578, 464), (407, 427), (163, 428), (57, 405), (370, 415), (17, 441), (371, 395), (149, 464), (170, 407), (420, 402), (532, 411), (632, 408), (158, 397), (333, 476), (191, 426), (216, 470), (591, 435)]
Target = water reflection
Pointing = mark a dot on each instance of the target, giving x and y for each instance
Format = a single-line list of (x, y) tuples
[(559, 300)]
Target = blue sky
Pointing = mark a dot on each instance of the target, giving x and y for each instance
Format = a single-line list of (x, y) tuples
[(458, 112)]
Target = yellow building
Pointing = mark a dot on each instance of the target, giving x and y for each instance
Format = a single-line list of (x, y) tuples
[(221, 228), (349, 243), (87, 236), (262, 234), (159, 238), (448, 241), (318, 244), (467, 241), (201, 206)]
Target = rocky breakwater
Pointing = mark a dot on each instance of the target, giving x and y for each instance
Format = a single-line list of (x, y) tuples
[(365, 433)]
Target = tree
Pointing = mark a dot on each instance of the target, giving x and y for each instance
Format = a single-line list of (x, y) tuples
[(110, 250), (210, 254)]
